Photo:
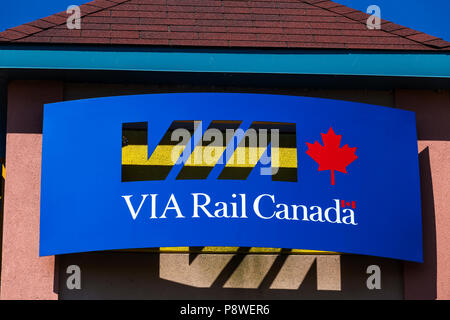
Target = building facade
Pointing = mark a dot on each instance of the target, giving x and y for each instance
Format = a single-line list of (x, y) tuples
[(311, 48)]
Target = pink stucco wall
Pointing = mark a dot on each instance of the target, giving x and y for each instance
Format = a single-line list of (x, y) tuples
[(432, 108), (24, 274)]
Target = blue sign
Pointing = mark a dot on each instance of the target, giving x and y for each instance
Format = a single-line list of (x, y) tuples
[(240, 170)]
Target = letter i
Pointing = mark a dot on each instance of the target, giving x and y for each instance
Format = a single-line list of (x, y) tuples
[(153, 216)]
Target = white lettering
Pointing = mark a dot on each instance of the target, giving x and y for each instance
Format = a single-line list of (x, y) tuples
[(134, 213), (201, 206), (174, 207), (256, 206)]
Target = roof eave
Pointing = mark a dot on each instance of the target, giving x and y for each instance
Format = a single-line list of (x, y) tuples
[(429, 64)]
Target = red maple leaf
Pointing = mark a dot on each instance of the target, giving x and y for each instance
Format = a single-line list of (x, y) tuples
[(330, 156)]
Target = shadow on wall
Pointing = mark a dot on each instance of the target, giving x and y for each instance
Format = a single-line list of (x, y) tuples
[(422, 277), (432, 108), (123, 275)]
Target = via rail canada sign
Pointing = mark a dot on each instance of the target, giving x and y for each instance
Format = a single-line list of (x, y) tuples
[(240, 170)]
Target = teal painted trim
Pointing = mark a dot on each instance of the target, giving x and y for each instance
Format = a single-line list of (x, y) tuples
[(433, 65)]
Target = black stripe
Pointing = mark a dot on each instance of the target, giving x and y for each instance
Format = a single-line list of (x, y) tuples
[(222, 126), (283, 127), (168, 140), (288, 140), (144, 173), (190, 172), (236, 173), (285, 174), (134, 133), (286, 133)]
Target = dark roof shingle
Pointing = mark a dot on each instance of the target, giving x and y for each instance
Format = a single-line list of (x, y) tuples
[(224, 23)]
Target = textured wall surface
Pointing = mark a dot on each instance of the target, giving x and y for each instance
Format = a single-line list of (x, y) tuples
[(432, 278), (24, 274)]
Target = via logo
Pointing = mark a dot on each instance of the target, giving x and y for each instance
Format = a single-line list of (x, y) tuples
[(225, 144), (235, 152)]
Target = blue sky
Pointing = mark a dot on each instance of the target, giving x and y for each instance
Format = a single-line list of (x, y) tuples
[(429, 16)]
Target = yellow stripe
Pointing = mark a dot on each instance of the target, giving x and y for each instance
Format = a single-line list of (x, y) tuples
[(174, 249), (260, 250), (219, 249), (206, 156), (226, 250), (162, 156), (284, 157), (245, 157), (248, 157)]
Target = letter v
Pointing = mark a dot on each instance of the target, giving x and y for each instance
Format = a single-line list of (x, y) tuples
[(134, 214)]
